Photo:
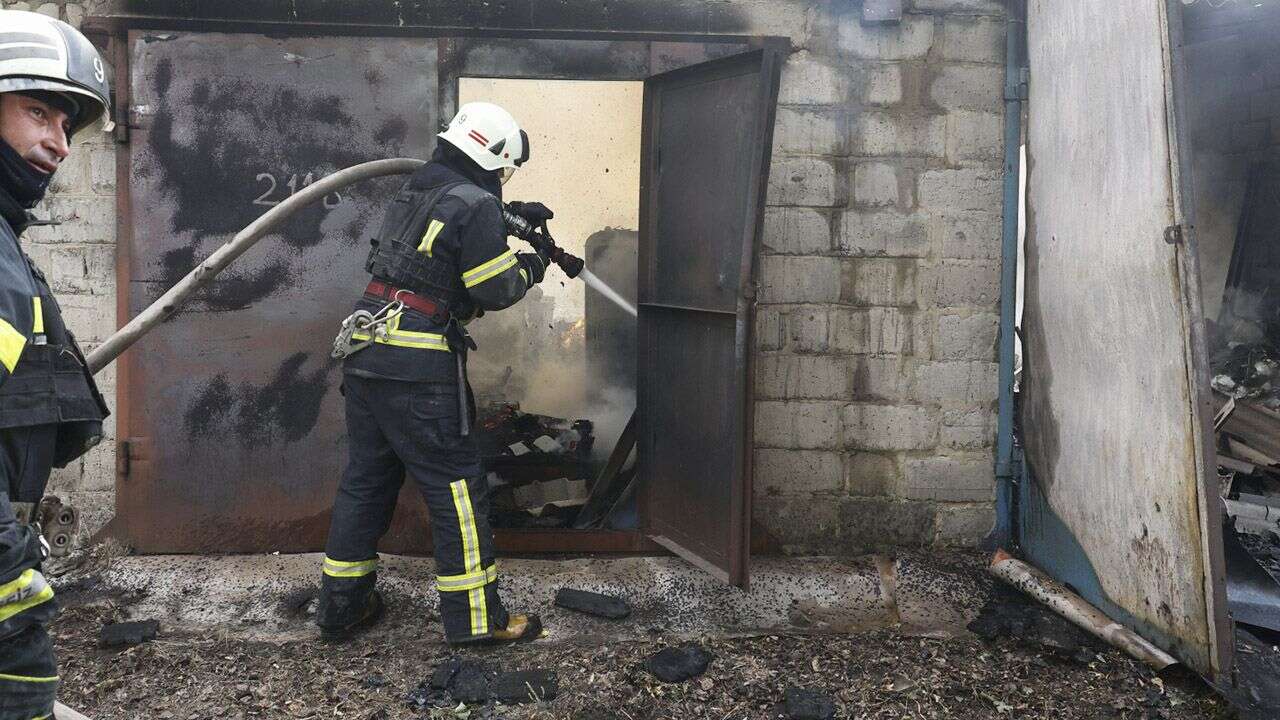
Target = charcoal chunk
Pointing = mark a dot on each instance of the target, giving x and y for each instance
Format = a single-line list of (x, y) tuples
[(525, 686), (128, 633), (678, 664), (473, 683), (605, 606), (803, 704)]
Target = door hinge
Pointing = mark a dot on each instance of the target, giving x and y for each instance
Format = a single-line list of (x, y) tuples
[(123, 450), (1173, 234)]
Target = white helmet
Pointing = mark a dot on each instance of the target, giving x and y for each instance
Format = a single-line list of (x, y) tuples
[(489, 135), (38, 52)]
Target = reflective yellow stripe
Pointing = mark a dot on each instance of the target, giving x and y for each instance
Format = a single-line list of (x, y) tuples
[(429, 237), (467, 581), (470, 555), (21, 582), (406, 338), (23, 593), (494, 267), (12, 344), (11, 609), (349, 569), (28, 678), (38, 324), (42, 717)]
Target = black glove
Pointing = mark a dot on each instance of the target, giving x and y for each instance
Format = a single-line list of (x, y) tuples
[(535, 212), (535, 266)]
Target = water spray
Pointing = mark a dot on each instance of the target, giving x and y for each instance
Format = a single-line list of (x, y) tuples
[(573, 266)]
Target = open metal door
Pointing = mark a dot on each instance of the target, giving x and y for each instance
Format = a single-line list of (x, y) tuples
[(707, 137), (1117, 503)]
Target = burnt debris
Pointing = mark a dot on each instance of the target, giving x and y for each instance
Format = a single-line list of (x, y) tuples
[(1008, 615), (537, 466), (126, 634), (677, 664), (591, 603), (804, 704), (471, 682)]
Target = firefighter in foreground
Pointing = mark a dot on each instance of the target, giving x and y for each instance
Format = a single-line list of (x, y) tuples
[(439, 260), (53, 83)]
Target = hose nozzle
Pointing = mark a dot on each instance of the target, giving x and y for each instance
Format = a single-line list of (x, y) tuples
[(542, 241)]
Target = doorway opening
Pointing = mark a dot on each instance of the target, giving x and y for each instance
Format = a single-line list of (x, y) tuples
[(555, 376)]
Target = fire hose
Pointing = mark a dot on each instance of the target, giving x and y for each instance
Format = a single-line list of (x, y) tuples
[(169, 303)]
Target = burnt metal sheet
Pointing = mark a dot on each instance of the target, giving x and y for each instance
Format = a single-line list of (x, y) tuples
[(1112, 415), (234, 435), (707, 136), (579, 58)]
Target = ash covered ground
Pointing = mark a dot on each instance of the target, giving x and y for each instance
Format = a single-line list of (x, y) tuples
[(1029, 667)]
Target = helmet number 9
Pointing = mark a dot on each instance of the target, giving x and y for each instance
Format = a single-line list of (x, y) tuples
[(99, 72)]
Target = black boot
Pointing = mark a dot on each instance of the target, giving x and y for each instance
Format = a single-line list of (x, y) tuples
[(374, 609)]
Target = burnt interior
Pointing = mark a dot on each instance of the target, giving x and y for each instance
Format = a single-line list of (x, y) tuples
[(1232, 101)]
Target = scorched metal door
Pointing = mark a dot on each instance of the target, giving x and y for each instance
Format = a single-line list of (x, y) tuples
[(707, 135), (231, 420), (1118, 504)]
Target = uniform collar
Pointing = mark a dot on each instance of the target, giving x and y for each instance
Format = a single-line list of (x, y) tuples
[(14, 214), (455, 168)]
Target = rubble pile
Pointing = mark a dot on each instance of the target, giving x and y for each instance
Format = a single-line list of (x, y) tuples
[(1246, 361), (538, 466)]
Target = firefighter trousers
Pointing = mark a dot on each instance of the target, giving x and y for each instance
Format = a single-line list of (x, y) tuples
[(396, 428), (28, 670)]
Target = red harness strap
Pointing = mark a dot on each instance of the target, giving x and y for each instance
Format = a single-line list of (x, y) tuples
[(424, 305)]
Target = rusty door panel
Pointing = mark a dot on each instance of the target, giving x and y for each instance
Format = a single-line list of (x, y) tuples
[(707, 138), (235, 418)]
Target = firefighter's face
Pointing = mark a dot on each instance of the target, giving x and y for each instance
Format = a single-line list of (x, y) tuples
[(36, 130)]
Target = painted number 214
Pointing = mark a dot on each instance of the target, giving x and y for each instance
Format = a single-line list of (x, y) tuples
[(331, 201)]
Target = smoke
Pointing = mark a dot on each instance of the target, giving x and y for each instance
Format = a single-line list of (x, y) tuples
[(576, 367)]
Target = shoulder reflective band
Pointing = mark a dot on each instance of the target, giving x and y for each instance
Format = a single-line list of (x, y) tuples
[(37, 326), (406, 338), (496, 266), (470, 555), (429, 237), (24, 593), (467, 581), (347, 569), (12, 343)]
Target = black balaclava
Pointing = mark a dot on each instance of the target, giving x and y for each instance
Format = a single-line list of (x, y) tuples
[(24, 184)]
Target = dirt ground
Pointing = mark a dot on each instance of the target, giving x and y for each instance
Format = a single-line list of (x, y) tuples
[(878, 674)]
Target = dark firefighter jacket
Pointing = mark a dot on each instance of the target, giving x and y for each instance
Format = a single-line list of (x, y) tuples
[(460, 237), (43, 375)]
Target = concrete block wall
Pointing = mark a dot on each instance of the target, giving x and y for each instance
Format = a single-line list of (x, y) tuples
[(875, 335), (876, 332)]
